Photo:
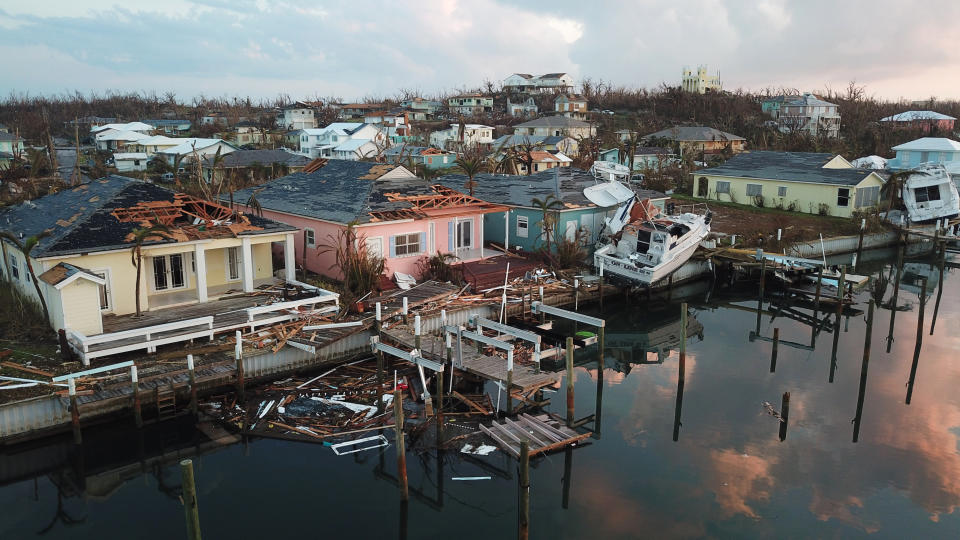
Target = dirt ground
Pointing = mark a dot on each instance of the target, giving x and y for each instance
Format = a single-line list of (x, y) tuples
[(749, 223)]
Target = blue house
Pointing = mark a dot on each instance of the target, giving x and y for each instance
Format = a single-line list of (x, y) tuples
[(925, 150), (522, 226), (644, 157), (431, 158)]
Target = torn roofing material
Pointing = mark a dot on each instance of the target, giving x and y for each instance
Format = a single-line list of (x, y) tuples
[(81, 220), (342, 191)]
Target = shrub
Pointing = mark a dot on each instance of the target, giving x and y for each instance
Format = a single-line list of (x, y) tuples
[(759, 201), (824, 209), (439, 267)]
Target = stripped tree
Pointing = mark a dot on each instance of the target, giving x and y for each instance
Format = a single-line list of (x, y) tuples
[(141, 235), (26, 247)]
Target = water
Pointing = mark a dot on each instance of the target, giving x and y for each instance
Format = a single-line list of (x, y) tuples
[(728, 475)]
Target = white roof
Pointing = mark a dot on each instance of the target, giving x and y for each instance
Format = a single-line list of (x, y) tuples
[(129, 126), (935, 144), (339, 127), (126, 156), (189, 144), (909, 116), (472, 126), (121, 135), (869, 162), (351, 145), (161, 140)]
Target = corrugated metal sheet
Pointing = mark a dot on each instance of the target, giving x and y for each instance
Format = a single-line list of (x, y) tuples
[(37, 413), (841, 244)]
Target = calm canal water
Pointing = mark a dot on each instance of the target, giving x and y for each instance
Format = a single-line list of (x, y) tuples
[(727, 474)]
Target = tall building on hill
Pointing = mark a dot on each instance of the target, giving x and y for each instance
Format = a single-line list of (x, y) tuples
[(700, 81)]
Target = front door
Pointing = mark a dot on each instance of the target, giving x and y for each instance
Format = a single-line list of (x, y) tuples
[(465, 234)]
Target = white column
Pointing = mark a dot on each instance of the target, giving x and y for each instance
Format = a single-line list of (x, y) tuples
[(506, 230), (247, 258), (289, 259), (200, 261), (479, 222)]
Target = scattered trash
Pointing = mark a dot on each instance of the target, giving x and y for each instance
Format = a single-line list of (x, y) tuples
[(478, 450)]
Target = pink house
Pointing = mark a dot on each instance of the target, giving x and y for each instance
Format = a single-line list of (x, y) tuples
[(396, 215), (926, 121)]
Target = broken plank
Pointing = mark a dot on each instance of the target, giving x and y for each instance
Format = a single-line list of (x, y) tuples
[(26, 369), (561, 444), (470, 402), (519, 427), (503, 444)]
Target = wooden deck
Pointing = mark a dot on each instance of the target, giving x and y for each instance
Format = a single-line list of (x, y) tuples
[(223, 311), (526, 378)]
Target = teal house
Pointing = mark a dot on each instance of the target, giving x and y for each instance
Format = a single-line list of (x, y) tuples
[(522, 226)]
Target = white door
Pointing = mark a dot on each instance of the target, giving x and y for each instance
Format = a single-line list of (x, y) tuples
[(375, 246), (571, 231), (465, 234)]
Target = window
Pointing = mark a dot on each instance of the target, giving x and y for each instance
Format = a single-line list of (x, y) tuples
[(843, 197), (465, 234), (104, 289), (405, 244), (924, 157), (754, 190), (310, 237), (233, 263), (925, 194), (523, 226), (168, 272), (781, 191), (14, 270), (723, 186), (904, 156), (870, 196)]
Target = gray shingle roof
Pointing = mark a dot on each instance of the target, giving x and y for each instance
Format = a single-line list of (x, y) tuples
[(694, 133), (806, 167), (336, 192), (514, 140), (79, 219), (246, 158), (565, 183), (553, 122)]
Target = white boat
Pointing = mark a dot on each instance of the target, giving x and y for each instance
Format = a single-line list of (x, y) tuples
[(610, 171), (929, 194), (649, 248)]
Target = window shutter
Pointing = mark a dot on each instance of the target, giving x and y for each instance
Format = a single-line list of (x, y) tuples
[(423, 242), (858, 199), (393, 246), (451, 236)]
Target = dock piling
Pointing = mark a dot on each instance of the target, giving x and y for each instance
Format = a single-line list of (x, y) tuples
[(135, 382), (919, 341), (895, 297), (416, 331), (190, 507), (238, 353), (836, 324), (401, 445), (570, 400), (74, 411), (524, 526), (784, 415), (936, 306), (406, 309), (863, 372), (863, 227), (773, 350), (763, 273), (193, 385)]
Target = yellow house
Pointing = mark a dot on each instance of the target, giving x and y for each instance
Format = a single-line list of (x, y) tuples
[(808, 182), (86, 270)]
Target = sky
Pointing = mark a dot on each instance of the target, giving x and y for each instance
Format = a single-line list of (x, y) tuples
[(359, 48)]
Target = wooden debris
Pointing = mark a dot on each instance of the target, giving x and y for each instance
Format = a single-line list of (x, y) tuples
[(24, 368), (543, 433)]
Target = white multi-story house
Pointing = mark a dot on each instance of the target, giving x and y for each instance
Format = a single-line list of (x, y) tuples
[(343, 140), (809, 114), (191, 146), (473, 135), (550, 82), (524, 108), (699, 81), (299, 115), (470, 104)]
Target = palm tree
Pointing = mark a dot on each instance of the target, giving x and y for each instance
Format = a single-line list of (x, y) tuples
[(176, 168), (470, 166), (141, 235), (26, 247), (891, 188), (253, 204), (550, 208)]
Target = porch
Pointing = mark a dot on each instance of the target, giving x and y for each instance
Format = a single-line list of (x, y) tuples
[(270, 303)]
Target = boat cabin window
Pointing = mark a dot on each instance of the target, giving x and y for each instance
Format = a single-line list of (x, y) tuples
[(643, 240), (927, 193)]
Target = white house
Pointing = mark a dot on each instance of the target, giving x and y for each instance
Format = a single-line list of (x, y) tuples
[(470, 104), (112, 139), (343, 140), (139, 127), (153, 145), (473, 134), (550, 82), (201, 147), (130, 161), (299, 115), (809, 114)]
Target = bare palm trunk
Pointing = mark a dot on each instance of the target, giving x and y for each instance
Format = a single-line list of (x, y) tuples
[(137, 286), (36, 285)]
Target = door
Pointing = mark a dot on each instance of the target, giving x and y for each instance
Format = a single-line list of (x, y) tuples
[(465, 234), (375, 246), (571, 233)]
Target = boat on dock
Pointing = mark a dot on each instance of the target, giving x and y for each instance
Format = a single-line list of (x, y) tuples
[(929, 195)]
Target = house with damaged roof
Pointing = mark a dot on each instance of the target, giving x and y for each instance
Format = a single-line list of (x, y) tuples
[(395, 215), (815, 183), (86, 272), (520, 224)]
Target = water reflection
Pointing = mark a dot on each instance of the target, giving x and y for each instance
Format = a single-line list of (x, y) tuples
[(736, 471)]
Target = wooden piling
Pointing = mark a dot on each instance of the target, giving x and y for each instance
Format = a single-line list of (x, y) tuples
[(193, 385), (524, 526), (599, 407), (816, 301), (936, 306), (190, 506), (919, 341), (238, 353), (682, 371), (135, 382), (576, 294), (763, 273), (543, 316), (406, 309), (896, 297), (863, 372), (601, 286), (784, 415), (569, 352), (567, 471), (416, 331), (401, 445), (378, 326), (74, 411), (438, 409), (863, 226), (773, 350), (683, 337)]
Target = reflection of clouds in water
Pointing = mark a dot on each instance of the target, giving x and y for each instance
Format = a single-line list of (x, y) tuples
[(739, 477), (658, 386)]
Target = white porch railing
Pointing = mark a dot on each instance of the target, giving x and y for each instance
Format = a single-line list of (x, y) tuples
[(139, 338), (285, 311)]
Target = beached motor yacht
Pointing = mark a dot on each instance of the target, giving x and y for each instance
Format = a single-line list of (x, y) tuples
[(649, 247), (929, 194)]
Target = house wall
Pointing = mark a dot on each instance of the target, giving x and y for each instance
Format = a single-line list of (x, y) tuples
[(124, 165), (80, 301), (909, 159), (590, 219), (808, 197), (576, 132)]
